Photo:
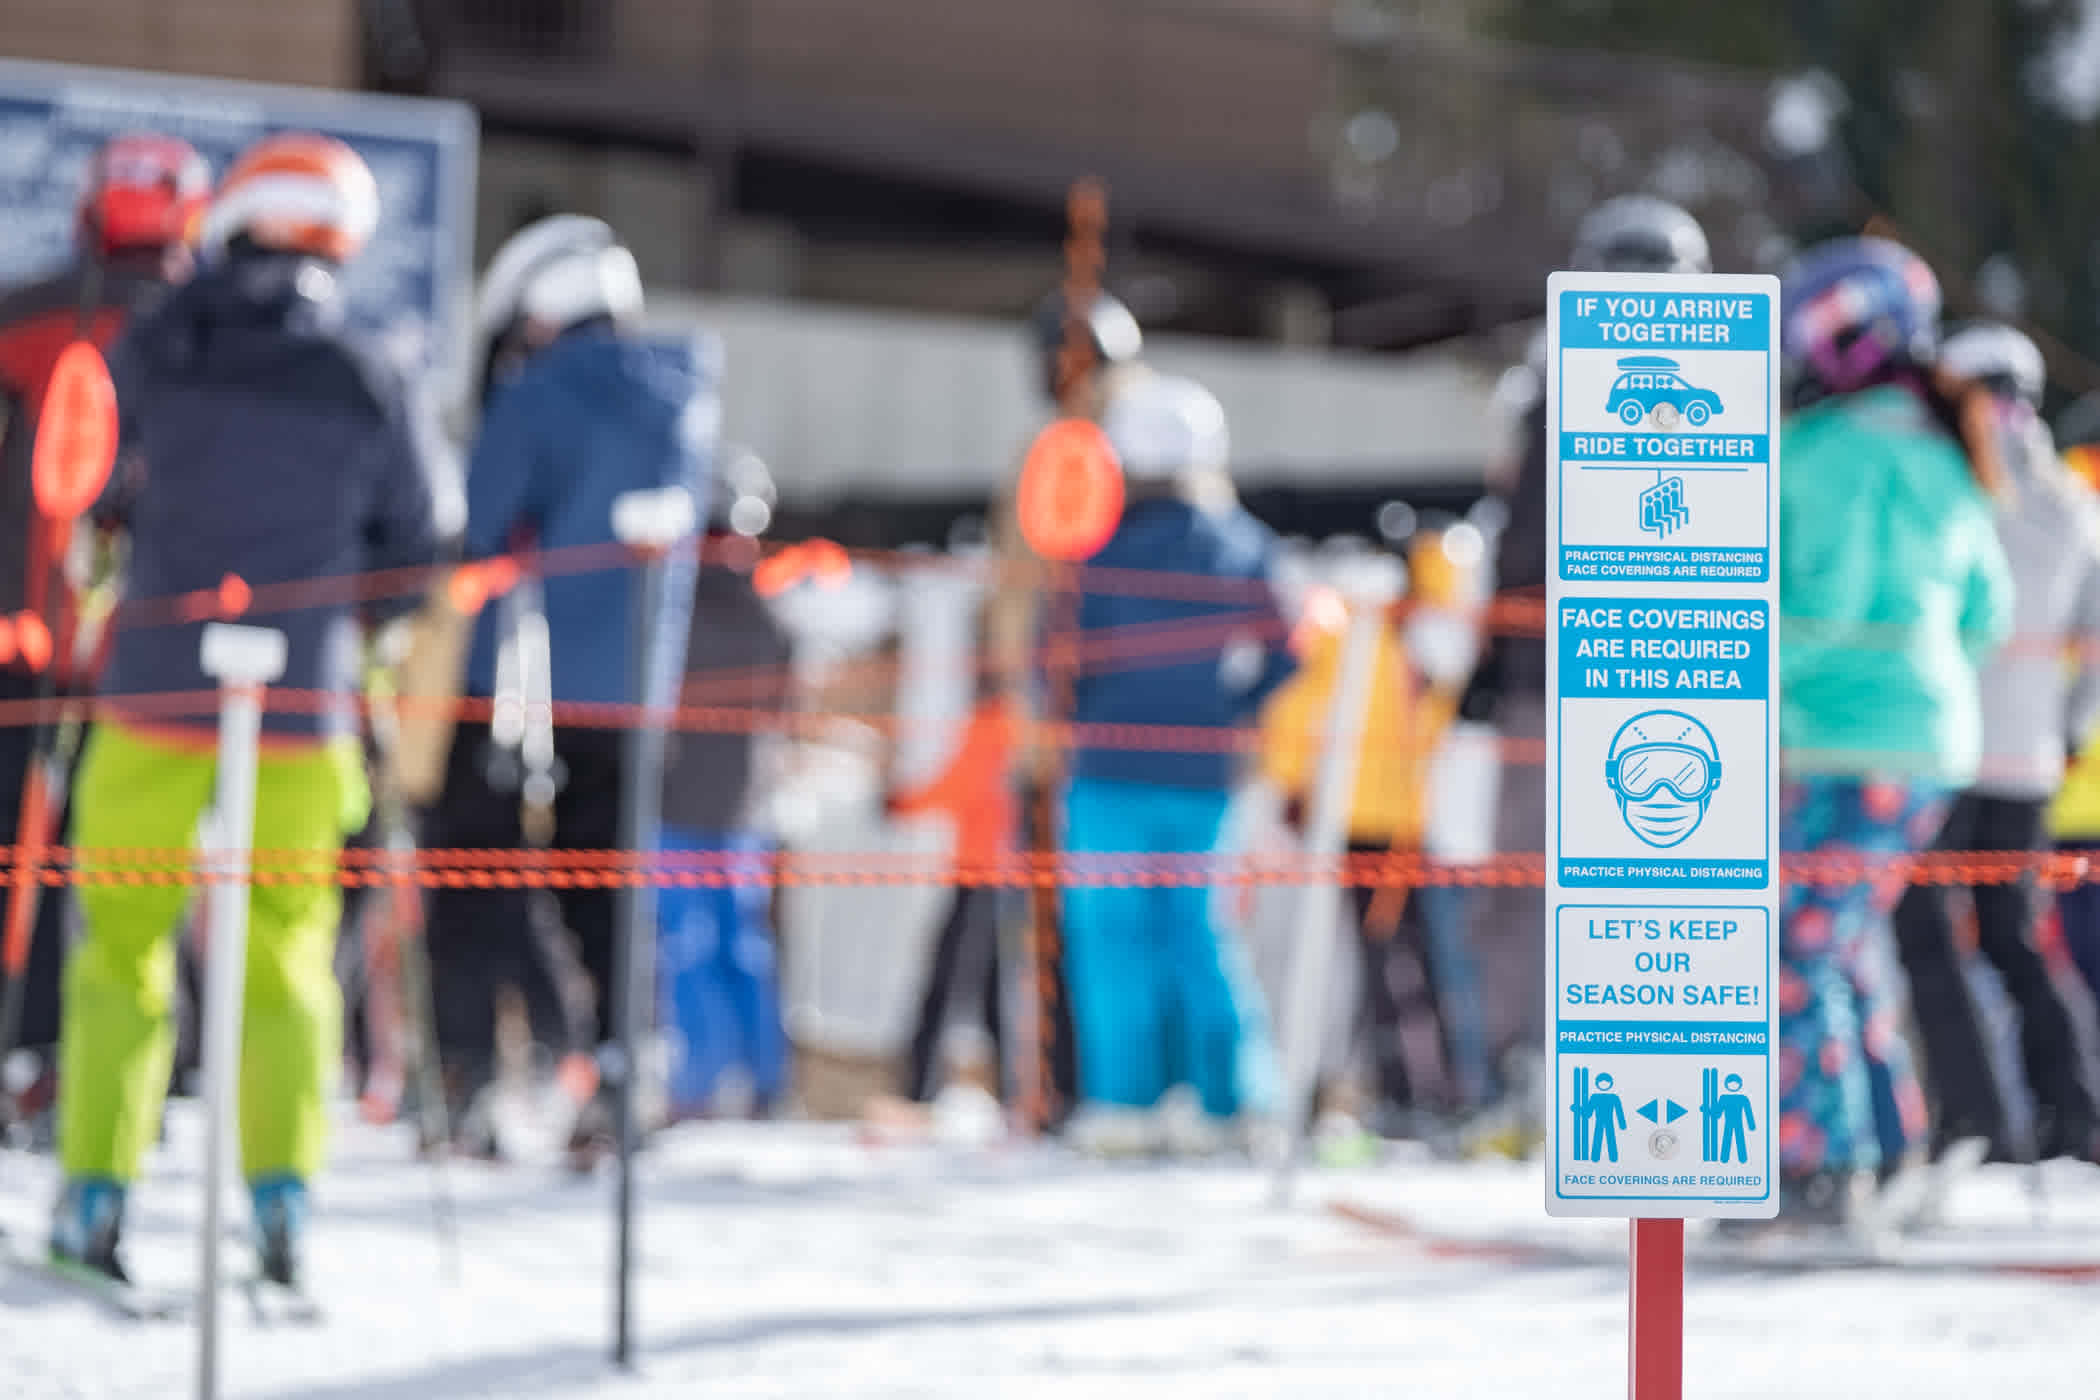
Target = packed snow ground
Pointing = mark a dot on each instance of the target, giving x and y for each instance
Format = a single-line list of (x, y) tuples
[(788, 1260)]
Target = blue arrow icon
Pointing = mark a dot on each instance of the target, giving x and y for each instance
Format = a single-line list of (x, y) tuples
[(1647, 1110), (1676, 1110)]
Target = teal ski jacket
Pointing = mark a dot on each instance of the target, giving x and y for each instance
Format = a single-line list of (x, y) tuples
[(1893, 590)]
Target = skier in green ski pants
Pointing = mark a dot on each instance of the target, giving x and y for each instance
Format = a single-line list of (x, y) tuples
[(144, 789), (258, 439)]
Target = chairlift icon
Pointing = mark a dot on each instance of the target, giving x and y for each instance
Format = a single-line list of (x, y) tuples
[(1650, 387), (1663, 509)]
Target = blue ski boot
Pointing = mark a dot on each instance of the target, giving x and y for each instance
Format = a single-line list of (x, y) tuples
[(280, 1222), (87, 1226)]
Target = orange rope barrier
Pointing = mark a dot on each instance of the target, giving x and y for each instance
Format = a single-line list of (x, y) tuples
[(485, 868)]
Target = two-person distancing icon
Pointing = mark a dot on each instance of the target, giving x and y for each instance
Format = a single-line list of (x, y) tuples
[(1725, 1118), (1598, 1117)]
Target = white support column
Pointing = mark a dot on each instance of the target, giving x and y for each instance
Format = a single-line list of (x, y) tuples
[(243, 660)]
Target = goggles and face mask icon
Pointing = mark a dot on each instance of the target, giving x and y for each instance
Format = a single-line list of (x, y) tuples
[(1664, 767)]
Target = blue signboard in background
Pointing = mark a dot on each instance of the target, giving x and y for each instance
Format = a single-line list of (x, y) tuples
[(412, 287)]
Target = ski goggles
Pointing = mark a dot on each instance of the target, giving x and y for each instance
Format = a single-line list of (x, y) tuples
[(1640, 772)]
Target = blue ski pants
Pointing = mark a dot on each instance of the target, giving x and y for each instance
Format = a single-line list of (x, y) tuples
[(1160, 995), (719, 988)]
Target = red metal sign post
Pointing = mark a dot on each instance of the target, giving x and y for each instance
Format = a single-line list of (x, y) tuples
[(1655, 1310)]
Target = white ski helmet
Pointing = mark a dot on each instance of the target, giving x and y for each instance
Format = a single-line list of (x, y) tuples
[(1163, 426), (1998, 357), (1640, 233), (559, 271)]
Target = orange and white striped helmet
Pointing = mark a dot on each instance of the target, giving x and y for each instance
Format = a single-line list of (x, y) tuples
[(296, 192)]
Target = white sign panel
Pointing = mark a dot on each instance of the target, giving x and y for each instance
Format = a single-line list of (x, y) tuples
[(1662, 786)]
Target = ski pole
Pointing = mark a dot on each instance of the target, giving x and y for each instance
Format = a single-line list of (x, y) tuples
[(75, 448), (403, 913), (430, 1087), (413, 971), (243, 660), (652, 524), (1370, 588)]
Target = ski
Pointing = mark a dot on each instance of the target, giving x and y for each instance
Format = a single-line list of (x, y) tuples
[(273, 1304), (1917, 1195), (131, 1300), (1438, 1244), (1806, 1251), (280, 1305)]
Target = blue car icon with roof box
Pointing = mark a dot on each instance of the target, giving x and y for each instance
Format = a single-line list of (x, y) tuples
[(1650, 386)]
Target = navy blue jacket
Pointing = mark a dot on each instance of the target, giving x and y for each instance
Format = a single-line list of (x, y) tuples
[(260, 439), (591, 417), (1203, 648)]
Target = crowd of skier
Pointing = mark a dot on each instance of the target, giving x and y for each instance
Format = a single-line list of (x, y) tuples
[(1939, 655)]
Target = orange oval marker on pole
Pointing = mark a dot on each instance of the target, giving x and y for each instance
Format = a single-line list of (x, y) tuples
[(1070, 498), (76, 433)]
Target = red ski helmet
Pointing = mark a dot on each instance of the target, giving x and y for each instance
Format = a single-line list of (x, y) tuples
[(143, 191)]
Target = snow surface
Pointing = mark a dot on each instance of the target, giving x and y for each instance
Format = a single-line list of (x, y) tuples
[(788, 1260)]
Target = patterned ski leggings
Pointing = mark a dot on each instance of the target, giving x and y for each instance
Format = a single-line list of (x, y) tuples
[(1848, 1096)]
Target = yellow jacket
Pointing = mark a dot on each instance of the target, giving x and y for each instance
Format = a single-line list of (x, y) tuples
[(1402, 726), (2075, 815)]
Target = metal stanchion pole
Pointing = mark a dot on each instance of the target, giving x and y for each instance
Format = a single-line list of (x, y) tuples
[(243, 660), (652, 523)]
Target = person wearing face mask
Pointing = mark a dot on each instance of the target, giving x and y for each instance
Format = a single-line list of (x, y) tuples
[(1663, 767), (2032, 698), (1893, 589)]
